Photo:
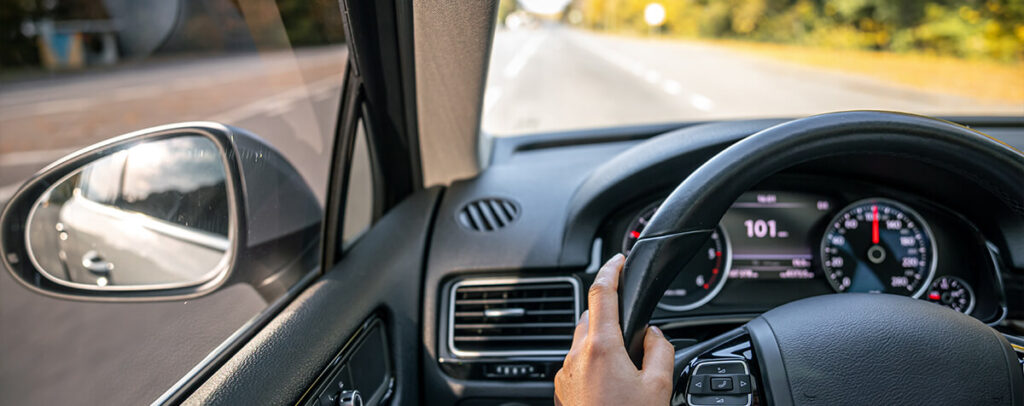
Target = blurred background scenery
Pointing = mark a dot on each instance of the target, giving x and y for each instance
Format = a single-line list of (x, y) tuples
[(677, 60)]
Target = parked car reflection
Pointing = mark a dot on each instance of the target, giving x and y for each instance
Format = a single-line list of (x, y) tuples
[(151, 216)]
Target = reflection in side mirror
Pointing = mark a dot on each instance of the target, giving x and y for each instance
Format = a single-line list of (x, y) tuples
[(153, 216), (166, 213)]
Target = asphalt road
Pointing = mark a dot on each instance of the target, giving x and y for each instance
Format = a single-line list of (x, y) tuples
[(553, 78), (288, 98)]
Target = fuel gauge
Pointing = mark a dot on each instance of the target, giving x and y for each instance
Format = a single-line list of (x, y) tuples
[(953, 293)]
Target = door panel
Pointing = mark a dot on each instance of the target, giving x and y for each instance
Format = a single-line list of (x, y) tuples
[(381, 274)]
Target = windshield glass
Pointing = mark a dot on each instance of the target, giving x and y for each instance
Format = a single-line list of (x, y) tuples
[(563, 65)]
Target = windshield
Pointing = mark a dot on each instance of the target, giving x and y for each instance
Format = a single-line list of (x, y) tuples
[(563, 65)]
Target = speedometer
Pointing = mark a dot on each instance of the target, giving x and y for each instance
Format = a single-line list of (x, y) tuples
[(878, 245)]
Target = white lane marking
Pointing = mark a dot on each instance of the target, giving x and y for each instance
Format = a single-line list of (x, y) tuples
[(634, 67), (277, 103), (42, 156), (672, 87), (491, 96), (701, 102), (525, 53), (652, 76)]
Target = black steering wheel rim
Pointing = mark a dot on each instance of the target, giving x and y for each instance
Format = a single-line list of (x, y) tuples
[(690, 213)]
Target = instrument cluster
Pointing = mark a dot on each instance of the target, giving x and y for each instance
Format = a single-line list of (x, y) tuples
[(775, 246)]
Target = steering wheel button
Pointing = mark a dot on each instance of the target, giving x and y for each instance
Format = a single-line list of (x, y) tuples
[(731, 367), (714, 400), (742, 384), (699, 385), (721, 384)]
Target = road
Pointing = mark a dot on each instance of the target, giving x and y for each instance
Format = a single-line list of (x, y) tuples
[(289, 98), (553, 78)]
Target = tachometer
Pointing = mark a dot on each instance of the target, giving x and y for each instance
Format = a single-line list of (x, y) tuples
[(878, 245), (953, 293), (701, 279)]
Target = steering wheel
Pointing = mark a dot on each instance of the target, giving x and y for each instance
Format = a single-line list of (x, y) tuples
[(833, 349)]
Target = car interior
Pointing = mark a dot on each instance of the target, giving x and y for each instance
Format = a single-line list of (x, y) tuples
[(845, 257)]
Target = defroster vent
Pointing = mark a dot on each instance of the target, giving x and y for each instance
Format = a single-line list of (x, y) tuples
[(488, 214), (512, 317)]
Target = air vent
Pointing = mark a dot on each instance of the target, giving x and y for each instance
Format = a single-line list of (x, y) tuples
[(533, 316), (488, 214)]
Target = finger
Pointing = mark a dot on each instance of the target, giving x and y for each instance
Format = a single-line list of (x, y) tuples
[(659, 355), (603, 300), (581, 329)]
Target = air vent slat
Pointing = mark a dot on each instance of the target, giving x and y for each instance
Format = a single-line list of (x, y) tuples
[(485, 210), (528, 313), (523, 300), (513, 325), (504, 288), (488, 215), (514, 338), (499, 212), (479, 223), (534, 316)]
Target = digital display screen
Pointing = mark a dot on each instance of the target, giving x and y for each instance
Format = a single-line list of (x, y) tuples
[(773, 233)]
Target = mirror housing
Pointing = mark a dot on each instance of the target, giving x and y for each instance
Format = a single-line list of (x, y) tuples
[(273, 232)]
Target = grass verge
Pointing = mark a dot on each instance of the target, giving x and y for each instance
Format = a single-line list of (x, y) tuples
[(978, 79)]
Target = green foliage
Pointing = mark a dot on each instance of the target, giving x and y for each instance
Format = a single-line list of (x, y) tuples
[(311, 22), (977, 29)]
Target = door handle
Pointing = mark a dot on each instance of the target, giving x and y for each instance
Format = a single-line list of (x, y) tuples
[(94, 262)]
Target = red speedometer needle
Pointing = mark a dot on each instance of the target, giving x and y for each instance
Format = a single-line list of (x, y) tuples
[(874, 224)]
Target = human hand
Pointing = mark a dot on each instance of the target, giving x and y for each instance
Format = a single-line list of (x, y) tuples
[(597, 370)]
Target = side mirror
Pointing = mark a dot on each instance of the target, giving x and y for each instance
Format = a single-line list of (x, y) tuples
[(163, 213)]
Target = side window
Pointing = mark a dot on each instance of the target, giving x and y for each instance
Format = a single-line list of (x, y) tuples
[(77, 72), (359, 196), (180, 180)]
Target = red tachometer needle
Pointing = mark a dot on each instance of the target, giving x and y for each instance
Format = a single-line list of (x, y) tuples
[(874, 224)]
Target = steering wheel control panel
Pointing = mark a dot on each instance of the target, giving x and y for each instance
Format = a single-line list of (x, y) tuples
[(720, 383)]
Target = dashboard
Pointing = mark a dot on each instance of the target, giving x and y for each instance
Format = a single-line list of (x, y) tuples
[(500, 303), (802, 236)]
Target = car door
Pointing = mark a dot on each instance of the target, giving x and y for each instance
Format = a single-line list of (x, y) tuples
[(313, 304)]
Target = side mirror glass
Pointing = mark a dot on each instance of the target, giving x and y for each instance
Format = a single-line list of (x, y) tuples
[(165, 213), (151, 216)]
